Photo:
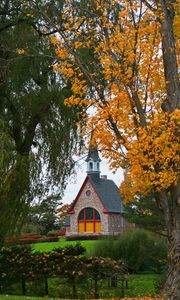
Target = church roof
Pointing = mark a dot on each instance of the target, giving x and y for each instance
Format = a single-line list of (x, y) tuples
[(93, 154), (108, 193)]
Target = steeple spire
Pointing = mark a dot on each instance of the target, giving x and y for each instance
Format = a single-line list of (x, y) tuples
[(93, 159)]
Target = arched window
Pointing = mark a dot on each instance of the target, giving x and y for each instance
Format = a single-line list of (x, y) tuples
[(89, 220)]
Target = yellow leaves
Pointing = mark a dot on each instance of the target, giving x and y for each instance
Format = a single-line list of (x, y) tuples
[(75, 101), (61, 53), (21, 51), (78, 44), (153, 157), (123, 13), (54, 40), (65, 69), (79, 87), (125, 60)]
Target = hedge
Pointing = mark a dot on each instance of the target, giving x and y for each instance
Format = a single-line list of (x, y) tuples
[(20, 264)]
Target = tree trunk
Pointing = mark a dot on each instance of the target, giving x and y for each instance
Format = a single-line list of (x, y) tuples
[(96, 289), (74, 290), (46, 289), (171, 289), (170, 204), (169, 56), (23, 283)]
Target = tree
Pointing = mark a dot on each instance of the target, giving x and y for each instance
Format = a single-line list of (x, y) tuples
[(146, 214), (62, 212), (120, 57), (38, 133), (42, 216)]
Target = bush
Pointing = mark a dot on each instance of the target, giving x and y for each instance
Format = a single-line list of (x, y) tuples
[(83, 237), (52, 233), (28, 238), (18, 264), (61, 232), (140, 250), (73, 250)]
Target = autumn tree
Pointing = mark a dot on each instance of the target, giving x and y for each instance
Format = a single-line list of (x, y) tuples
[(38, 133), (62, 212), (120, 57)]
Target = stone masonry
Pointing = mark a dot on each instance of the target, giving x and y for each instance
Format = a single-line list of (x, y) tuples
[(88, 201)]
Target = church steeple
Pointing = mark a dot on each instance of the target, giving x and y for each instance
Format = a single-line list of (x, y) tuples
[(93, 160)]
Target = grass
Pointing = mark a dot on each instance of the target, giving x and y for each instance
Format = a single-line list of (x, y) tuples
[(139, 285), (46, 247), (142, 285)]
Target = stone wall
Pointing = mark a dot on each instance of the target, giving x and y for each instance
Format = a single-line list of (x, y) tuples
[(117, 224), (88, 200)]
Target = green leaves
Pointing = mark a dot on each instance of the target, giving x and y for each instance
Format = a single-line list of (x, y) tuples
[(39, 134)]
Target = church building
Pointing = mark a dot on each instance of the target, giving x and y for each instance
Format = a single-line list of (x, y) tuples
[(98, 205)]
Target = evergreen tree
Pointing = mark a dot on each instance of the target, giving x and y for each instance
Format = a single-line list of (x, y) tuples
[(146, 214)]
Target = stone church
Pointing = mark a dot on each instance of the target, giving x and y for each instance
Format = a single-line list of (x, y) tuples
[(98, 205)]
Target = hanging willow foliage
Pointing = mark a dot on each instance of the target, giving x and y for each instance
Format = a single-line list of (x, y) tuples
[(39, 135)]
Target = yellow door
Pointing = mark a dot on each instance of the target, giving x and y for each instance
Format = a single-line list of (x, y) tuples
[(89, 227), (81, 227), (97, 227)]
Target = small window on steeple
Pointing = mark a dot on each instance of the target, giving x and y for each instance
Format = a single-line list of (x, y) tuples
[(98, 166), (91, 165)]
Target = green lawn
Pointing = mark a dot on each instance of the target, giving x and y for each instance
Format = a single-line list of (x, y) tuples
[(45, 247), (142, 285), (139, 285)]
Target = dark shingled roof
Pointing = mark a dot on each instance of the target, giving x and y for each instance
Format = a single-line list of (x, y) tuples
[(108, 193), (93, 154)]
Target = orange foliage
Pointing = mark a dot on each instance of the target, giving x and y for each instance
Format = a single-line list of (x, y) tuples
[(122, 78)]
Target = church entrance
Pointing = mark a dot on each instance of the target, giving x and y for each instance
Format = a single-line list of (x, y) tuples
[(89, 221)]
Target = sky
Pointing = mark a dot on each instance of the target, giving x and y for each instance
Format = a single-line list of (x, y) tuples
[(75, 182)]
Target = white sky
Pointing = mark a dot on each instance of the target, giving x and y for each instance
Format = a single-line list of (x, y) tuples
[(76, 182)]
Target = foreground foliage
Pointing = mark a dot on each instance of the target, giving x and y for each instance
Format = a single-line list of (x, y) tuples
[(138, 249), (139, 286), (18, 265)]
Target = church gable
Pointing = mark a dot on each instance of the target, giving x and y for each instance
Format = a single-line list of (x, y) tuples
[(87, 196), (87, 213)]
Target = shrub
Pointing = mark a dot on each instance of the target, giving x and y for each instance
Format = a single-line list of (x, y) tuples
[(31, 239), (73, 250), (83, 237), (18, 264), (61, 232), (52, 233), (140, 250)]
